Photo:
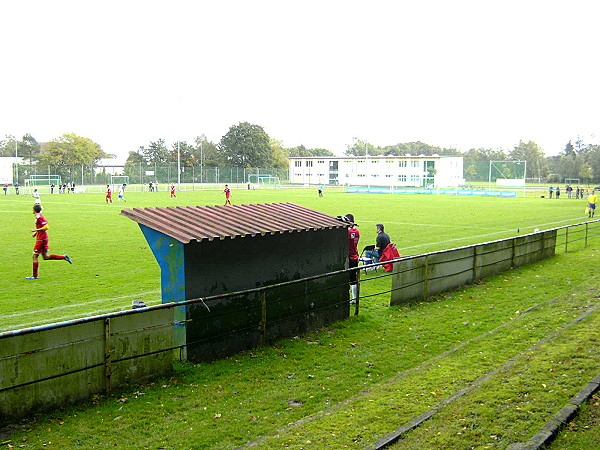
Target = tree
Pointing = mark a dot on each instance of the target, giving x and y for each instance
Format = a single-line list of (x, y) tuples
[(207, 152), (157, 152), (280, 160), (302, 151), (29, 148), (246, 145), (70, 149), (362, 148), (534, 157)]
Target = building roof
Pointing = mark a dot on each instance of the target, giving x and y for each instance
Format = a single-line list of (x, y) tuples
[(188, 223)]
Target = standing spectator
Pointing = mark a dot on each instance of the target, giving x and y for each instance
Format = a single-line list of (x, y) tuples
[(173, 191), (320, 189), (383, 239), (227, 192), (40, 233), (557, 191), (17, 186), (151, 187), (52, 188), (591, 206), (353, 238), (5, 188), (551, 191), (73, 187), (108, 194)]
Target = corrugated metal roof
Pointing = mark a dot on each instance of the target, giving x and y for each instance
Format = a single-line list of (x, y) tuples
[(188, 223)]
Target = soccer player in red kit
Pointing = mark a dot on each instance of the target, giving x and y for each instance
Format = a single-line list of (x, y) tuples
[(40, 232), (108, 194), (227, 195), (173, 191)]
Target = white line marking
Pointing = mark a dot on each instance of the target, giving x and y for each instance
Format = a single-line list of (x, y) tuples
[(77, 305)]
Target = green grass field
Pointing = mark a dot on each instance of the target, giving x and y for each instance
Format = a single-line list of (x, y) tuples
[(347, 384), (113, 264)]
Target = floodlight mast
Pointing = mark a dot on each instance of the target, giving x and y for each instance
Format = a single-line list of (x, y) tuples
[(178, 167)]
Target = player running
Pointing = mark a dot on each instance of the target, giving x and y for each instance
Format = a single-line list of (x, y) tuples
[(227, 195), (173, 191), (122, 193), (40, 232), (108, 194)]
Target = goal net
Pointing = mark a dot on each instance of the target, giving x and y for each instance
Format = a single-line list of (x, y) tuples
[(35, 181), (268, 182), (118, 180)]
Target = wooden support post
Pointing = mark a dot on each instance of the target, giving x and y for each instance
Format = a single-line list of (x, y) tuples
[(263, 317)]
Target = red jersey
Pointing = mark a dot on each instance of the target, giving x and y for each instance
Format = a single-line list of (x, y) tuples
[(40, 221), (227, 192), (172, 189), (108, 193), (353, 237)]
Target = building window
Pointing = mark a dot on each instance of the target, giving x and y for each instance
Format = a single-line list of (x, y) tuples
[(402, 178), (389, 161), (388, 176), (402, 163), (309, 163), (414, 178), (361, 161), (320, 162), (298, 163), (415, 164), (374, 175), (361, 175), (374, 162)]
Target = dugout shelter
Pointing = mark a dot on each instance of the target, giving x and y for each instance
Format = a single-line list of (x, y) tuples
[(205, 251)]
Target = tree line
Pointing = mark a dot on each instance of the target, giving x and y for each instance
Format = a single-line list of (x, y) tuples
[(247, 145)]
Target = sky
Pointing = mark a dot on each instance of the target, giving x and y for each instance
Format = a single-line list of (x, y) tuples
[(462, 74)]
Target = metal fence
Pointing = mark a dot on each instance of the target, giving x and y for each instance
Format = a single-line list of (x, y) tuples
[(55, 364), (165, 173)]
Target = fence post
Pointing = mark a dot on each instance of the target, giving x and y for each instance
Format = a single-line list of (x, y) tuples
[(263, 317), (566, 239), (107, 355), (586, 235), (357, 291), (426, 278), (514, 252), (474, 263)]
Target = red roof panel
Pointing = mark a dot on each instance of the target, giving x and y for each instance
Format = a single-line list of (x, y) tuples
[(188, 223)]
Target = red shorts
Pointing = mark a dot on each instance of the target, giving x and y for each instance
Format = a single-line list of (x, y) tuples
[(41, 247)]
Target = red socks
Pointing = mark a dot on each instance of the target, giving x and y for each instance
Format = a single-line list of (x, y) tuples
[(56, 257), (35, 268)]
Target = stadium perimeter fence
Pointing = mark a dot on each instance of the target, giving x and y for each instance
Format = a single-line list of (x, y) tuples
[(62, 363)]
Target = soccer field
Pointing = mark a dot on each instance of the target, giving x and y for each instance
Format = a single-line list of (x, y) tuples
[(113, 265)]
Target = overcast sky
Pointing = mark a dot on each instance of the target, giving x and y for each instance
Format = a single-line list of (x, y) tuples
[(319, 73)]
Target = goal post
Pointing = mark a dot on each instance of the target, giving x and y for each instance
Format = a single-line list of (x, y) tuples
[(119, 180), (268, 182), (508, 174), (35, 181)]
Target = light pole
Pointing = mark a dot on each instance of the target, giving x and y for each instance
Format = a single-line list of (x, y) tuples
[(16, 180), (178, 167)]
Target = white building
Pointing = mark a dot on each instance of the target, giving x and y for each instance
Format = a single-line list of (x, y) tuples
[(399, 171), (7, 169)]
